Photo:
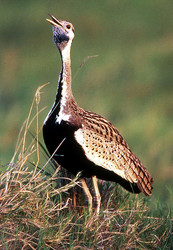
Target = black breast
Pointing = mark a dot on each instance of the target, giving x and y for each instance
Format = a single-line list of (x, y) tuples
[(60, 142)]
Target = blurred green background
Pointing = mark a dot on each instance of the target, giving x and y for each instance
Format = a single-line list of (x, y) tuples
[(130, 82)]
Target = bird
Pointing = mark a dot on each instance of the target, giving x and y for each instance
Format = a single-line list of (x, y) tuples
[(84, 142)]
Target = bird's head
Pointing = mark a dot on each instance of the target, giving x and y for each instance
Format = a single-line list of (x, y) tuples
[(63, 32)]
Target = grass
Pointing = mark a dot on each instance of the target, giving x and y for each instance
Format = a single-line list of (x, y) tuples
[(37, 209)]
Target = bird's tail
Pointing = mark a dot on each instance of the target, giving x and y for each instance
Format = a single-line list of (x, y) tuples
[(145, 181)]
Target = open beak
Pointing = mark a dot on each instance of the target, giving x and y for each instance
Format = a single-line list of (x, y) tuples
[(54, 21)]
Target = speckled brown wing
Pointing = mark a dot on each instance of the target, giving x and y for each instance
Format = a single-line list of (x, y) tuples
[(103, 145)]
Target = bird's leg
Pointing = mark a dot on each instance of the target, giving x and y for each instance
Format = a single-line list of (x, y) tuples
[(97, 193), (88, 194)]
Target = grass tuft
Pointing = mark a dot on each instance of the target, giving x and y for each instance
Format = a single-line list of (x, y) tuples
[(37, 205)]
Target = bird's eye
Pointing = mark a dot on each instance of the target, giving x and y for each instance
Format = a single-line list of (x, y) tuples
[(68, 26)]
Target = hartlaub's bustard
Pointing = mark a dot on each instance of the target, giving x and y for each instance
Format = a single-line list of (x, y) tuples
[(80, 140)]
